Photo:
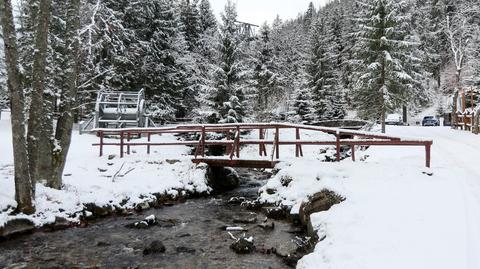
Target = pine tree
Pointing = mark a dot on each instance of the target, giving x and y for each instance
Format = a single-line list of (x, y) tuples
[(309, 16), (228, 96), (429, 17), (386, 78), (206, 59), (152, 61), (302, 106), (207, 18), (190, 21), (323, 72), (267, 81)]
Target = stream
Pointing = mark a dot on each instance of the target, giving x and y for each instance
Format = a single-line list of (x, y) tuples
[(193, 234)]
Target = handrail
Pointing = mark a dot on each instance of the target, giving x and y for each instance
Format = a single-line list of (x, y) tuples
[(343, 137)]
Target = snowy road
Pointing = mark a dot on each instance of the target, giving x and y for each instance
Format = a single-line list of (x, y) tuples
[(458, 153)]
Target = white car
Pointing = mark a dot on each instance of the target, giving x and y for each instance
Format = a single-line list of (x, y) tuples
[(394, 119)]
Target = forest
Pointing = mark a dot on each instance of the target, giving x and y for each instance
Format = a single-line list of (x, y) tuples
[(356, 59)]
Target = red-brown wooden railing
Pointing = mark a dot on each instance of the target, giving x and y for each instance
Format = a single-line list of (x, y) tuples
[(343, 137)]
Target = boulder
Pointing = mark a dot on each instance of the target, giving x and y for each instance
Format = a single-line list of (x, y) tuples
[(269, 225), (16, 227), (274, 212), (243, 245), (142, 206), (154, 248), (172, 161), (149, 222), (286, 180), (60, 224), (98, 211), (222, 178), (270, 191), (321, 201)]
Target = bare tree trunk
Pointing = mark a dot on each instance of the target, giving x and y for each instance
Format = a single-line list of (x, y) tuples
[(454, 110), (38, 87), (63, 133), (46, 145), (24, 186)]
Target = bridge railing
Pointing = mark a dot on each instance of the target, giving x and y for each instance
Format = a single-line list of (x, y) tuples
[(340, 137)]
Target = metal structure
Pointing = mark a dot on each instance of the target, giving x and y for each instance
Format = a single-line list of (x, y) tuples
[(233, 141), (246, 30), (120, 109)]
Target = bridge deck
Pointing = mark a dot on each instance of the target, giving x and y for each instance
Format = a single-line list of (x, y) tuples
[(236, 163)]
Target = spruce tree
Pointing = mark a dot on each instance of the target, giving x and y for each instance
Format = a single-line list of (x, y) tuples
[(191, 24), (386, 74), (206, 60), (228, 95), (207, 18), (267, 80), (152, 57), (323, 72)]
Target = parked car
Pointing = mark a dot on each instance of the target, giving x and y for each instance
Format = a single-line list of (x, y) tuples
[(430, 121), (394, 119)]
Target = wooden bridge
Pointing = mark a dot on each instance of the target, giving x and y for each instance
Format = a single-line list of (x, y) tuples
[(233, 141)]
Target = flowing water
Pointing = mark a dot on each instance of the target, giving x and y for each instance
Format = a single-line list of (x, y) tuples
[(195, 237)]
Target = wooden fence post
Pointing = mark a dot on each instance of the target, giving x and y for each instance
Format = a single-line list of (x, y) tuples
[(128, 141), (121, 144), (427, 153), (277, 145), (203, 141), (260, 136), (338, 146), (298, 145), (101, 143), (149, 136), (238, 141), (353, 152)]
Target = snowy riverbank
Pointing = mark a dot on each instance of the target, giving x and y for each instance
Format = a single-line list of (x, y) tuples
[(104, 181), (396, 213)]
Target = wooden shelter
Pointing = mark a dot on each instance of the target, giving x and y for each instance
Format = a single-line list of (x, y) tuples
[(466, 109)]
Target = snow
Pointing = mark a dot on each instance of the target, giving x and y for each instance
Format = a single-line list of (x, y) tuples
[(395, 215), (89, 178)]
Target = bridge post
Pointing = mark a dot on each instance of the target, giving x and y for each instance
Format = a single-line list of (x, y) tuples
[(353, 152), (121, 144), (338, 146), (203, 141), (149, 136), (128, 141), (101, 143), (427, 153), (277, 145), (260, 136), (237, 147), (298, 145)]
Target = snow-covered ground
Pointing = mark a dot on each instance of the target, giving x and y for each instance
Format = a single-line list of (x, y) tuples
[(92, 179), (395, 215)]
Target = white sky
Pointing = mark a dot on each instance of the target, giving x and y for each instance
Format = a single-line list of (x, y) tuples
[(259, 11)]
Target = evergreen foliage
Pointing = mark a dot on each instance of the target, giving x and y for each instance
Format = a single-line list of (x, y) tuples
[(228, 96), (387, 78)]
